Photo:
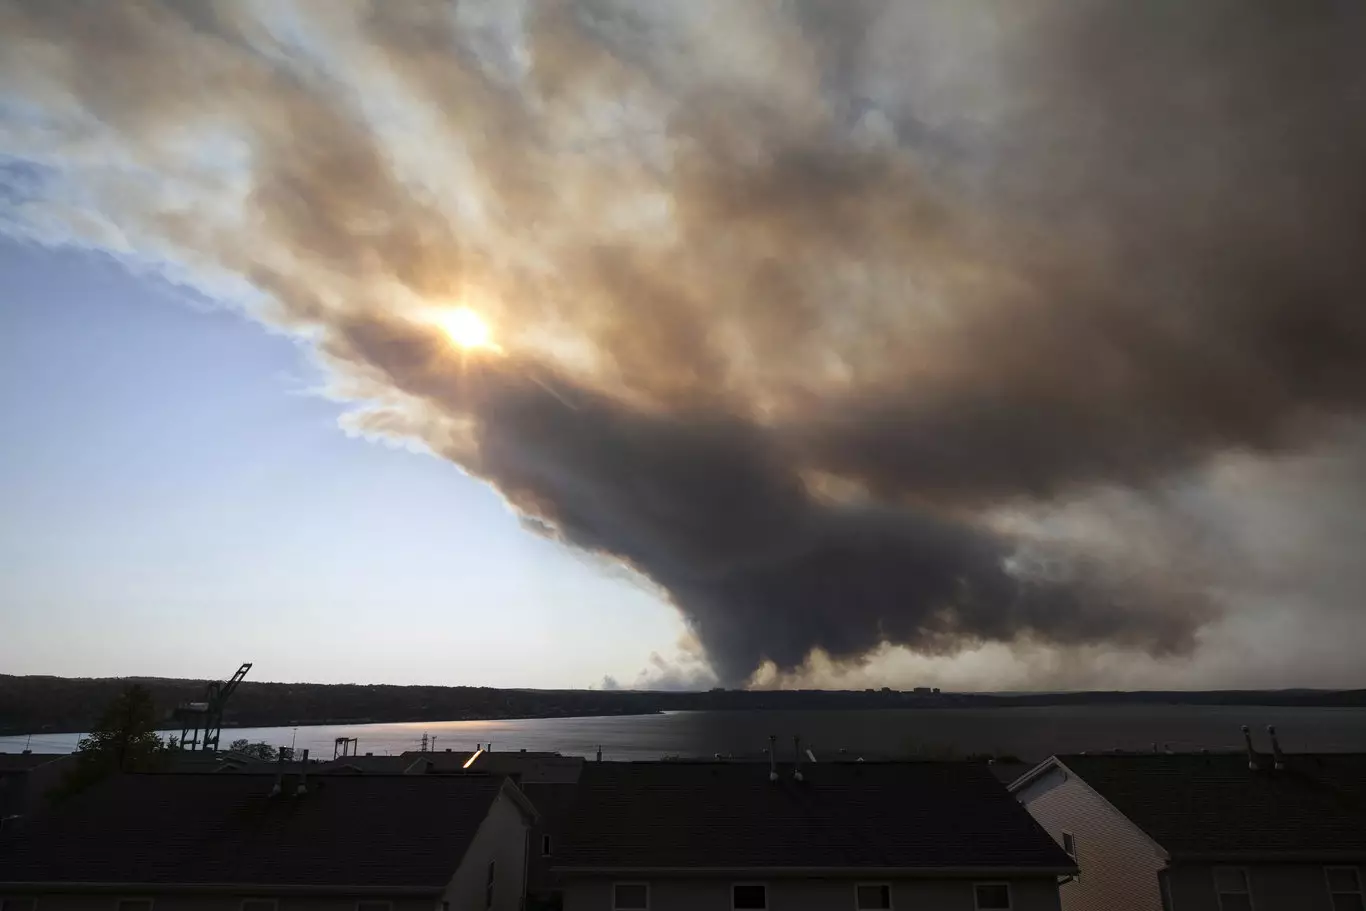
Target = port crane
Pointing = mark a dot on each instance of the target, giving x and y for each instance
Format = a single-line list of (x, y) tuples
[(207, 716)]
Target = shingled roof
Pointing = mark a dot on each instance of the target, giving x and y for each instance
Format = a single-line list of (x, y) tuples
[(404, 832), (919, 815), (1213, 805), (23, 762)]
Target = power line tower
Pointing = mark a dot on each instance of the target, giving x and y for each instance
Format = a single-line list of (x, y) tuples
[(424, 742), (208, 714)]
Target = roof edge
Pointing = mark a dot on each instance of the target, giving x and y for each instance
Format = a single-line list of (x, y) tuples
[(1326, 858), (1055, 761), (1028, 777), (202, 888), (523, 803), (957, 871)]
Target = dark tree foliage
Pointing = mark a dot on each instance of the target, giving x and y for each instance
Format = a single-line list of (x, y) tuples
[(258, 750), (124, 739)]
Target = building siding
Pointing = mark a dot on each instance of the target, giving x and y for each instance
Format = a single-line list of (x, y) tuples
[(797, 894), (1275, 887), (1118, 864), (502, 838)]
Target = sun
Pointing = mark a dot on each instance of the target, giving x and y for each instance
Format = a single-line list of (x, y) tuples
[(467, 329)]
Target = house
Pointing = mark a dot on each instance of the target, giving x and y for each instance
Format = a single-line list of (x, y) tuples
[(244, 842), (658, 836), (25, 780), (1206, 832), (554, 804)]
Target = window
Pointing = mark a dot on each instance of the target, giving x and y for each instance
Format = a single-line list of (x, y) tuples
[(18, 904), (992, 896), (873, 897), (1231, 884), (135, 904), (749, 897), (488, 885), (1344, 885), (545, 845), (1069, 845), (374, 906), (630, 897), (258, 904)]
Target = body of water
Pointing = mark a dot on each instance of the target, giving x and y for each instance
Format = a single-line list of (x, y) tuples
[(1032, 732)]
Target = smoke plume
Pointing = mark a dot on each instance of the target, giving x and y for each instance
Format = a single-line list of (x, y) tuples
[(829, 318)]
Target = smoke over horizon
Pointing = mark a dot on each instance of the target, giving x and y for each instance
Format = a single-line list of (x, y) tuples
[(848, 325)]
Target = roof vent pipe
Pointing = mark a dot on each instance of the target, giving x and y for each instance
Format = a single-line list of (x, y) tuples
[(303, 777), (797, 748), (1276, 748), (1252, 762), (279, 785), (772, 757)]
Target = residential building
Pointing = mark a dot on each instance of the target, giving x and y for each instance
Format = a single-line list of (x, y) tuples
[(245, 842), (659, 836), (25, 780), (1206, 832)]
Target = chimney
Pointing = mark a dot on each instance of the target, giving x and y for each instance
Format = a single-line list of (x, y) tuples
[(797, 748), (1276, 748), (772, 757), (1252, 762), (303, 777)]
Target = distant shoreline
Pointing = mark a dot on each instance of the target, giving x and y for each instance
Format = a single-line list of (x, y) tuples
[(60, 705)]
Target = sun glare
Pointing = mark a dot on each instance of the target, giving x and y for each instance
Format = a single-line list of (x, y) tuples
[(467, 329)]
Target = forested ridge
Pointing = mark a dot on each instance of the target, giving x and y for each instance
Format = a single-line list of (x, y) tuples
[(30, 704)]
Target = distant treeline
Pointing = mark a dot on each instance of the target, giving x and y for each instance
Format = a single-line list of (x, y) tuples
[(64, 704)]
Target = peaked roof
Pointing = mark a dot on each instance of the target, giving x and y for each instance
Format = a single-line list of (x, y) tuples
[(401, 831), (914, 815), (1213, 805)]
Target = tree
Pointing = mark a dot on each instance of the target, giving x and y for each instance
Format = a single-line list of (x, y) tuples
[(124, 740), (258, 750)]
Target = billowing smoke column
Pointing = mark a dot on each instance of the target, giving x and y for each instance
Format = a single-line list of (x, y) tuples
[(796, 303)]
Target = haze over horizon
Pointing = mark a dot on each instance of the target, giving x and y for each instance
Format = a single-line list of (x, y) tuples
[(776, 344)]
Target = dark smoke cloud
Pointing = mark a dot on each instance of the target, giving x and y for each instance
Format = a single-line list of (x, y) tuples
[(798, 306)]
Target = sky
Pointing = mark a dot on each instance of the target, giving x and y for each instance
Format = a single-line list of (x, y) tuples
[(179, 499), (812, 343)]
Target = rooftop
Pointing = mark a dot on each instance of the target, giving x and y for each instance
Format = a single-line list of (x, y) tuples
[(22, 762), (917, 815), (399, 831), (1214, 805)]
